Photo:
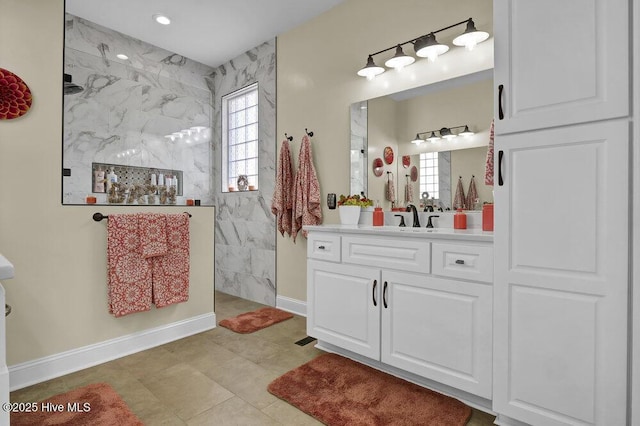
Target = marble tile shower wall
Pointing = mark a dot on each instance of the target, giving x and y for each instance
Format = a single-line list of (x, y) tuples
[(129, 106), (245, 255)]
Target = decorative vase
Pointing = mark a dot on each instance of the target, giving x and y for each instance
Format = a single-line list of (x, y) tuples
[(349, 215), (243, 182), (366, 216)]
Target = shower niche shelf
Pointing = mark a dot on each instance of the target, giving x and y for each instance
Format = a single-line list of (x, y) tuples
[(132, 175)]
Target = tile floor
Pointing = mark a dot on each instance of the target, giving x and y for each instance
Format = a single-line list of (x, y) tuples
[(213, 378)]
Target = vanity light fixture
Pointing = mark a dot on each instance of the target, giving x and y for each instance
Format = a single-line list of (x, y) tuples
[(425, 46), (428, 47), (161, 19), (433, 137), (471, 36), (444, 132), (466, 132), (400, 59), (371, 69)]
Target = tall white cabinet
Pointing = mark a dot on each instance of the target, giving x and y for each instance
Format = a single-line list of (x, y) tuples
[(562, 212)]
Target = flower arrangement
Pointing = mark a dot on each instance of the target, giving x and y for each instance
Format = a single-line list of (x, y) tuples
[(354, 200)]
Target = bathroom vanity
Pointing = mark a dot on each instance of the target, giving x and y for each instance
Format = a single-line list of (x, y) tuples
[(415, 302)]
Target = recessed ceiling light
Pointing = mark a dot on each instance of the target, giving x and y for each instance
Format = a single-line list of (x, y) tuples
[(161, 19), (122, 56)]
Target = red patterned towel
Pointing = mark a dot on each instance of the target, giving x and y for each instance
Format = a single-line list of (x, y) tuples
[(459, 200), (129, 274), (171, 271), (306, 189), (472, 194), (153, 234), (488, 168), (282, 203)]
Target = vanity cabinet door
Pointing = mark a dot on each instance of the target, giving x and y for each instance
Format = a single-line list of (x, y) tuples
[(561, 275), (343, 306), (439, 329), (560, 62)]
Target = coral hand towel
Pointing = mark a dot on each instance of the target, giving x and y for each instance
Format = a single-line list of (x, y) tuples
[(488, 169), (472, 194), (128, 272), (459, 200), (306, 190), (153, 234), (391, 189), (408, 192), (282, 203), (171, 271)]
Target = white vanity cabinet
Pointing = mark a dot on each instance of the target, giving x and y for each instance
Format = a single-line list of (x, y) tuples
[(559, 62), (381, 299), (561, 291), (343, 306)]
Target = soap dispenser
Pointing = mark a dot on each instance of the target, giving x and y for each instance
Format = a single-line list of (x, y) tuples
[(459, 220), (378, 215)]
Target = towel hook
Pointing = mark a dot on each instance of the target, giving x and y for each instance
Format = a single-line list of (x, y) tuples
[(310, 134), (289, 138)]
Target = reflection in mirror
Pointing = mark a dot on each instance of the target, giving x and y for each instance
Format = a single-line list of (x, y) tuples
[(358, 148), (133, 105), (395, 119)]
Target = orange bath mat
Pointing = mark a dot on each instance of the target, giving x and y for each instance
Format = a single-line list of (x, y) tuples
[(96, 405), (256, 320), (339, 391)]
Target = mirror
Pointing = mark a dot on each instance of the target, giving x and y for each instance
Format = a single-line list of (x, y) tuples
[(395, 119), (138, 119)]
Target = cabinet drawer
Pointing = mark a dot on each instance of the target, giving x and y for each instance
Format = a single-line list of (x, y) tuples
[(463, 261), (411, 255), (324, 247)]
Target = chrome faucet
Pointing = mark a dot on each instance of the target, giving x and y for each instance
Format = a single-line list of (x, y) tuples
[(416, 221)]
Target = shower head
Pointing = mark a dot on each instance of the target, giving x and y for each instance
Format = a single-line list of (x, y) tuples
[(69, 87)]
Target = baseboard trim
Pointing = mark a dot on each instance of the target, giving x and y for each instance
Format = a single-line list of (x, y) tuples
[(39, 370), (294, 306)]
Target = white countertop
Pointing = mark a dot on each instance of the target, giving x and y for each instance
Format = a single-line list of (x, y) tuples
[(472, 234), (6, 268)]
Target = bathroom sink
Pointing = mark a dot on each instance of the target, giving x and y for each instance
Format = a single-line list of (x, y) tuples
[(6, 268), (419, 230)]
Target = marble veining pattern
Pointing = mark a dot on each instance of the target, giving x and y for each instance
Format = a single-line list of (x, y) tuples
[(128, 106), (359, 145), (245, 227), (444, 177)]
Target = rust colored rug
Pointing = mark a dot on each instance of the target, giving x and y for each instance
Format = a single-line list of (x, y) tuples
[(339, 391), (95, 405), (256, 320)]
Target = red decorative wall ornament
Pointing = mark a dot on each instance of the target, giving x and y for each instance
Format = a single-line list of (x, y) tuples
[(15, 96)]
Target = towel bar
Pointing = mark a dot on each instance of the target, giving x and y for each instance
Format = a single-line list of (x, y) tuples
[(99, 216)]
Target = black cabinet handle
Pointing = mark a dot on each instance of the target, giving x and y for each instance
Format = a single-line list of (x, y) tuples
[(500, 111), (375, 284), (320, 247), (459, 261), (384, 295), (500, 181)]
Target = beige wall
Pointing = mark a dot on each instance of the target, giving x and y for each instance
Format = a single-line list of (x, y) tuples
[(59, 292), (317, 64)]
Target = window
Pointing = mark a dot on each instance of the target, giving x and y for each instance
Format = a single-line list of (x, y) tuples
[(429, 174), (240, 138)]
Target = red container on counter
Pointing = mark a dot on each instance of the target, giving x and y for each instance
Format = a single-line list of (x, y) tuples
[(459, 220), (487, 217), (378, 217)]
